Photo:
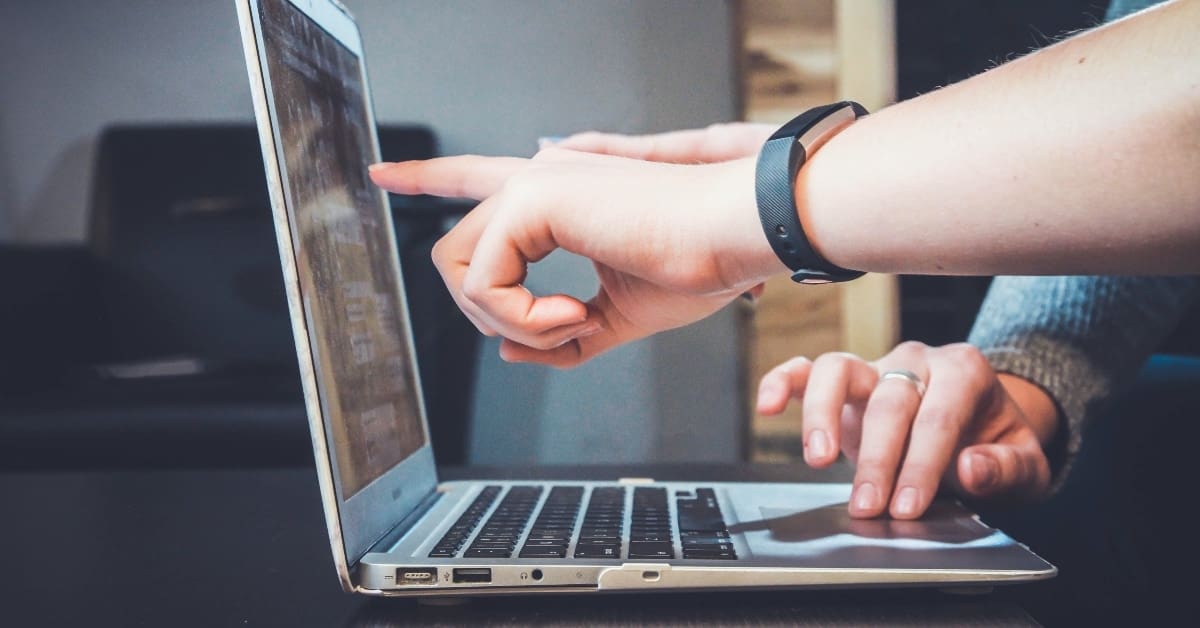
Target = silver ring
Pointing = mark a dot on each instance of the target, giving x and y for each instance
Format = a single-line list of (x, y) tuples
[(907, 376)]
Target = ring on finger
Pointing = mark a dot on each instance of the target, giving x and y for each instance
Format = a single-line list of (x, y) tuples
[(907, 376)]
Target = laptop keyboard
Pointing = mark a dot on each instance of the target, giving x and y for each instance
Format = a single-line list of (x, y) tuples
[(702, 530), (602, 533), (603, 524), (650, 533), (551, 532), (458, 533), (499, 535)]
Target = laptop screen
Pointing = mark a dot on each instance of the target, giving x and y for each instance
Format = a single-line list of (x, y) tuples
[(345, 258)]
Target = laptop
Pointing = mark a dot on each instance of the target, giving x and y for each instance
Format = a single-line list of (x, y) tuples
[(393, 528)]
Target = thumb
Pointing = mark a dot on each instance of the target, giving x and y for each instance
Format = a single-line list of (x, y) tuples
[(1003, 470)]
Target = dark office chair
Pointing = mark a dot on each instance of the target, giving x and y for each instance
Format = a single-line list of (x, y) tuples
[(178, 349)]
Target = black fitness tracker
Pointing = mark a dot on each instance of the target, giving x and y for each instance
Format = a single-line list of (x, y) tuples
[(775, 176)]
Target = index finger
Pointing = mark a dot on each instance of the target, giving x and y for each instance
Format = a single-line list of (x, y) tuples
[(464, 176)]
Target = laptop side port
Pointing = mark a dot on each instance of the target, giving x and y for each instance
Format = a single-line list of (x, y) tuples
[(473, 574), (416, 575)]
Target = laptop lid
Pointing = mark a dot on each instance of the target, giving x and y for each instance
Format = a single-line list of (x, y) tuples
[(341, 269)]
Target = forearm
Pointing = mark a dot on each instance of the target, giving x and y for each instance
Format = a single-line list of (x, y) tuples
[(1080, 158)]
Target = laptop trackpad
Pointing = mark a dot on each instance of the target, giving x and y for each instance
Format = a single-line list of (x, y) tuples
[(829, 530)]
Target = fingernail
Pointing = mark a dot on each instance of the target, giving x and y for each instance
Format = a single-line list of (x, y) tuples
[(865, 497), (984, 470), (374, 167), (906, 501), (818, 444), (549, 140)]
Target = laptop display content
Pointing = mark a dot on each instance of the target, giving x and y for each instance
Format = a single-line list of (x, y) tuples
[(344, 258)]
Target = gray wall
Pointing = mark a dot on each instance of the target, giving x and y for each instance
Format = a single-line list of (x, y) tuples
[(489, 77)]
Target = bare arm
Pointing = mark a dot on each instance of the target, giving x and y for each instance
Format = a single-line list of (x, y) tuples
[(1083, 157)]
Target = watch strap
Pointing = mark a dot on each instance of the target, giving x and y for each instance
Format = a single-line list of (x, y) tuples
[(775, 174)]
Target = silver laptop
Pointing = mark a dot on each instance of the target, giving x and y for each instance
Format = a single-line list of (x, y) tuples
[(393, 528)]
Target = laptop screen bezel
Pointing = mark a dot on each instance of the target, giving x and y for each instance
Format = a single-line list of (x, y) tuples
[(355, 523)]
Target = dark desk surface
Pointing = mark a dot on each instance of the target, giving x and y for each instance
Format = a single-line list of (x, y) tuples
[(182, 548)]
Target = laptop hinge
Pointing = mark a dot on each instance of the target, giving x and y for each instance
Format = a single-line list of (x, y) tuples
[(392, 536)]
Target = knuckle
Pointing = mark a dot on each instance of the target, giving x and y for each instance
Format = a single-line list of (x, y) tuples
[(967, 356), (439, 253), (473, 290), (832, 361), (549, 153), (794, 364), (522, 181), (909, 347)]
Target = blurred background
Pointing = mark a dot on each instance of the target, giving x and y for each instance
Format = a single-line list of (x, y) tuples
[(141, 316)]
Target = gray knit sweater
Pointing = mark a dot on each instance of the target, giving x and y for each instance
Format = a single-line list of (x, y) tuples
[(1082, 339)]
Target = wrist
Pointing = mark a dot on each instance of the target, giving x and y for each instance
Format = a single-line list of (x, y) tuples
[(743, 254), (820, 191), (1039, 408), (780, 197)]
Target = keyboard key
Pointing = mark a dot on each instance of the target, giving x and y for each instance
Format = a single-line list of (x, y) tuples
[(597, 551), (709, 554), (473, 552), (697, 534), (555, 524), (704, 541), (702, 529), (700, 520), (662, 537), (452, 541), (599, 540), (544, 543), (499, 535), (651, 550), (549, 536), (543, 552)]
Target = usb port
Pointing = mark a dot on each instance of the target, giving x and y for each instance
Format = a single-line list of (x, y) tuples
[(472, 574), (416, 575)]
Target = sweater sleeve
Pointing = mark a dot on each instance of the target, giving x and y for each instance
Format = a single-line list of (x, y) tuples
[(1082, 339)]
